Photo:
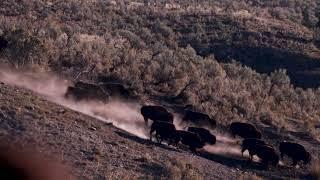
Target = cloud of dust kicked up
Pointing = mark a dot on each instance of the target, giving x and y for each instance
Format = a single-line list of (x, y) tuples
[(225, 145), (122, 115)]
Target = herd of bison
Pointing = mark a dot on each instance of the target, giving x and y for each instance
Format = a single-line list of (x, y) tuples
[(194, 137), (198, 137)]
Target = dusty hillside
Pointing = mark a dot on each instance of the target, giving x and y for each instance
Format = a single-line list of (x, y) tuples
[(233, 60), (96, 149)]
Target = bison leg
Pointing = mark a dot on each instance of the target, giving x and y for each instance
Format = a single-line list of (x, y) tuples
[(145, 120), (193, 149), (172, 141), (242, 151), (294, 162), (281, 155), (159, 139), (251, 154), (233, 134), (265, 163), (185, 118), (151, 131)]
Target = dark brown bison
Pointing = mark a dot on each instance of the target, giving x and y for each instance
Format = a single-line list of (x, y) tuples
[(250, 145), (86, 91), (204, 134), (116, 90), (267, 154), (199, 119), (3, 43), (191, 139), (295, 151), (164, 131), (244, 130), (156, 113)]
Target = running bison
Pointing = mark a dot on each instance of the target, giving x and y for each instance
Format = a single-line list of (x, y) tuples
[(204, 134), (116, 90), (164, 131), (267, 154), (191, 139), (86, 91), (156, 113), (295, 151), (198, 118), (250, 145), (244, 130)]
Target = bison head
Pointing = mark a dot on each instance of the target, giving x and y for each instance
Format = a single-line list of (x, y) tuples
[(212, 140), (212, 123)]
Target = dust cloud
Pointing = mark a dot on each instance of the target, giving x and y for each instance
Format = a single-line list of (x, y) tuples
[(124, 115), (225, 145)]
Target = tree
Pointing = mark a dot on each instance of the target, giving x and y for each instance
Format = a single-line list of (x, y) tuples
[(277, 78)]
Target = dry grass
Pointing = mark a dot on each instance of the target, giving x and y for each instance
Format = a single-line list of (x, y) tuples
[(249, 177), (315, 170), (180, 169)]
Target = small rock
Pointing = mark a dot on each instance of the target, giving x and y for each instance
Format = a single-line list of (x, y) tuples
[(62, 111), (141, 159), (109, 124), (111, 143), (188, 166), (91, 158), (93, 128), (31, 108)]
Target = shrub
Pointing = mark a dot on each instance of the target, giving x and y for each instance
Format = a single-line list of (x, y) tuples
[(179, 169)]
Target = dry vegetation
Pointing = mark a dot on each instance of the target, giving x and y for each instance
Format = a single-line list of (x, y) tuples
[(180, 169), (315, 170), (158, 53)]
